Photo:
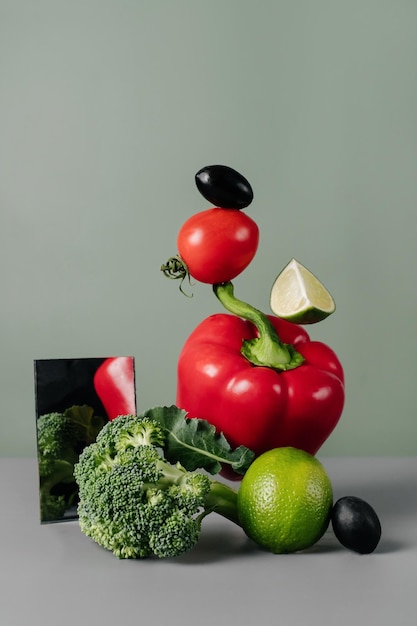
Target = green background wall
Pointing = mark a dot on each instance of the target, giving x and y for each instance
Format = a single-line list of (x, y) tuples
[(107, 110)]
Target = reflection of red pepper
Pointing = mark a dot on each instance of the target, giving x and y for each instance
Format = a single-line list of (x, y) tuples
[(260, 380), (114, 382)]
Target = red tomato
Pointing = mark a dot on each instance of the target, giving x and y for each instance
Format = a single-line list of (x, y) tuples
[(217, 244)]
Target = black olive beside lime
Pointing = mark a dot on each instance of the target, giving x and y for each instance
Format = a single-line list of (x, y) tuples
[(224, 187), (356, 525)]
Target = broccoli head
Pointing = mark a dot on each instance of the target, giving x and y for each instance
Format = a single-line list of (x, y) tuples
[(61, 437), (135, 503)]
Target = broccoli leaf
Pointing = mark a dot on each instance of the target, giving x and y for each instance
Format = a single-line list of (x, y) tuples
[(89, 424), (195, 443)]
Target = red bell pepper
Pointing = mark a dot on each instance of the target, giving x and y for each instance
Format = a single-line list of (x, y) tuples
[(114, 383), (259, 379)]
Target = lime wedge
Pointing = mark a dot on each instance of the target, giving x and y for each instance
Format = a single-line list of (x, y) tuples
[(298, 296)]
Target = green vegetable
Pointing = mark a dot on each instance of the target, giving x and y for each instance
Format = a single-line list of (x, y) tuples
[(61, 437), (134, 502), (196, 443)]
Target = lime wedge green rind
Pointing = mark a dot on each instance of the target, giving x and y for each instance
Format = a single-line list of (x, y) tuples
[(297, 295)]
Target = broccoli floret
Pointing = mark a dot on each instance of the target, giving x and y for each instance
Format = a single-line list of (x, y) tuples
[(56, 437), (135, 503), (61, 437)]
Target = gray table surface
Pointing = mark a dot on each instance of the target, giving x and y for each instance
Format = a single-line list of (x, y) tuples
[(52, 574)]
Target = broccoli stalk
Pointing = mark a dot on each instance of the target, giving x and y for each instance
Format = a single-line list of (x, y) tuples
[(53, 502), (136, 503), (221, 499), (61, 437)]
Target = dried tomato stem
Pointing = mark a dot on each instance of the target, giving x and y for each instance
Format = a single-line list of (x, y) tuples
[(176, 269)]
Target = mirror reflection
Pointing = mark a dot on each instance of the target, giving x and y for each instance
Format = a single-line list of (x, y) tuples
[(75, 398)]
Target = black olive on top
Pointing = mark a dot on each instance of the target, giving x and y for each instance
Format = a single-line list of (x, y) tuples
[(224, 187)]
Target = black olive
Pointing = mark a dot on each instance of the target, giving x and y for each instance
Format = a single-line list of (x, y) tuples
[(356, 525), (224, 187)]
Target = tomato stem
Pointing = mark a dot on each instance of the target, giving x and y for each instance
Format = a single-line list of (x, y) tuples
[(177, 269), (267, 349)]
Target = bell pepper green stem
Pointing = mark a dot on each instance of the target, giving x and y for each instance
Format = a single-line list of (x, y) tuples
[(267, 349)]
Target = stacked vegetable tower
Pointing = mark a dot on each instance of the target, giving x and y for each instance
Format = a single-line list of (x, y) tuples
[(256, 399)]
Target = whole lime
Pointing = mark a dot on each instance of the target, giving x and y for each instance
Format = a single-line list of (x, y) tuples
[(285, 500)]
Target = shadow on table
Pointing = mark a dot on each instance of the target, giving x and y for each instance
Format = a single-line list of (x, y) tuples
[(394, 500), (219, 544)]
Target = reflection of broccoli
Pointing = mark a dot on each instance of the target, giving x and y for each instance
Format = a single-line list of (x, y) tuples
[(61, 438), (135, 503)]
